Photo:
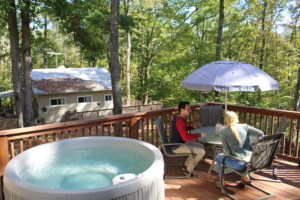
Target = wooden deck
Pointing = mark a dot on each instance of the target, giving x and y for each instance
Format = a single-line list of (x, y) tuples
[(204, 188)]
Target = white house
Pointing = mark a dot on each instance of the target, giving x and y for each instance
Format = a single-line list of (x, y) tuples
[(59, 90)]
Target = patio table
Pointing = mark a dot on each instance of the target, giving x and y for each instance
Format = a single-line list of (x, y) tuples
[(212, 139)]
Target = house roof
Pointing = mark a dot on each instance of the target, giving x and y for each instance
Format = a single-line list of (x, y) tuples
[(66, 80)]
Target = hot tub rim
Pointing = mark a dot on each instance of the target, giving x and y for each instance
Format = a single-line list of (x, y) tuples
[(130, 186)]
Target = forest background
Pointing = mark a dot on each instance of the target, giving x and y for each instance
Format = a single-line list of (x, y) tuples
[(161, 42)]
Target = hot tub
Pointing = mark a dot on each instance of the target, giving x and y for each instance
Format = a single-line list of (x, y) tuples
[(77, 169)]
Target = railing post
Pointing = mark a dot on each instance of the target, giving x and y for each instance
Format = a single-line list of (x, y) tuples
[(134, 127), (4, 154), (4, 158)]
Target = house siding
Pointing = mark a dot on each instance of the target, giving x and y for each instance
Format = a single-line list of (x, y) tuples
[(57, 113)]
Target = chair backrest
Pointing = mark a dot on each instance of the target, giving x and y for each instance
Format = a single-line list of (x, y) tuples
[(163, 135), (264, 152), (210, 115), (283, 124)]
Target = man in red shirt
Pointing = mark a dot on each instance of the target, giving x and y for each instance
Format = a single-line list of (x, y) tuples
[(180, 134)]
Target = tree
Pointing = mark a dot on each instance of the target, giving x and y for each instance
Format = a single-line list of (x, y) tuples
[(128, 56), (27, 65), (263, 34), (16, 61), (297, 93), (220, 30), (114, 57)]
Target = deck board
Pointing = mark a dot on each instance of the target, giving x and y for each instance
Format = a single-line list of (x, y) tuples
[(204, 188)]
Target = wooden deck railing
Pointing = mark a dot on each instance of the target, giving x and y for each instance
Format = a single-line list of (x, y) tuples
[(70, 116), (141, 126)]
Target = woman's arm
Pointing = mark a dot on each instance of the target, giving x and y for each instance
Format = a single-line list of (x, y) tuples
[(254, 131)]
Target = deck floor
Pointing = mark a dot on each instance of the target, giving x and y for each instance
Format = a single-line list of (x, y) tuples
[(204, 188)]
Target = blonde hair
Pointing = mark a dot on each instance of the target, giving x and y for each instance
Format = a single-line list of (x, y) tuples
[(231, 119)]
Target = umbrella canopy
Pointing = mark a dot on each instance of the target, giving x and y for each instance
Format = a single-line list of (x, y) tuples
[(229, 76)]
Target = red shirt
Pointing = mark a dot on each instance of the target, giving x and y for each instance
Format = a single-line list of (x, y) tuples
[(183, 129)]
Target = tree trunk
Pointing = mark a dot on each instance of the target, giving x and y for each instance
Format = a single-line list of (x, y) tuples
[(294, 30), (114, 58), (27, 64), (297, 93), (263, 35), (16, 62), (203, 30), (45, 42), (220, 30), (147, 76), (128, 57)]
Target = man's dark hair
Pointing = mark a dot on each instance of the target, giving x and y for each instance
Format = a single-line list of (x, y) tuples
[(182, 105)]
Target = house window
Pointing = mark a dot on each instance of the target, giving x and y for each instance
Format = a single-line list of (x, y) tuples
[(108, 97), (60, 101), (84, 99)]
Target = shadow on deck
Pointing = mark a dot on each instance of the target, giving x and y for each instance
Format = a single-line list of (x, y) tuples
[(204, 188)]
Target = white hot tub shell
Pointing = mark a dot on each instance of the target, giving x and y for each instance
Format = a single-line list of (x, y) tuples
[(149, 185)]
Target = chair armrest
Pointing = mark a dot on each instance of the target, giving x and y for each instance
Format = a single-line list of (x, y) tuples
[(178, 144), (174, 144), (236, 158)]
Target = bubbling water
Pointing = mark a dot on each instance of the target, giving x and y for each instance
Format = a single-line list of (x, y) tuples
[(84, 168)]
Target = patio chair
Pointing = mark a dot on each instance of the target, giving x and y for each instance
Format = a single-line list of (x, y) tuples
[(283, 124), (262, 155), (166, 146), (210, 115)]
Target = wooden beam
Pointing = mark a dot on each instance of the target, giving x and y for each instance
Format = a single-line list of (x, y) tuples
[(4, 154)]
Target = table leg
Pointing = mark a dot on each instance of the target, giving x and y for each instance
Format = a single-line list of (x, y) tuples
[(213, 161)]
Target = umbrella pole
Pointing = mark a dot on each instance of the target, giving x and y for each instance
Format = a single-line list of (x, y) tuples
[(226, 101)]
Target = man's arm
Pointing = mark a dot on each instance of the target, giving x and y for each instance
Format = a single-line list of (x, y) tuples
[(183, 130)]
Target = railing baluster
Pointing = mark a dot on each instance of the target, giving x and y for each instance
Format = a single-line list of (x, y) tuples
[(250, 119), (152, 131), (266, 124), (297, 138), (156, 133), (12, 148), (38, 138), (102, 130), (260, 121), (127, 128), (291, 137), (69, 134), (46, 138), (21, 145), (272, 125), (143, 130), (283, 144), (97, 130), (147, 130), (30, 142), (83, 132), (115, 129), (108, 127)]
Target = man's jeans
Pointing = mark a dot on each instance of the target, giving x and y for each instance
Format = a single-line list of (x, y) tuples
[(231, 162)]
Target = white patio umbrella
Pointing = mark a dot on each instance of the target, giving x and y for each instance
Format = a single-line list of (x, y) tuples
[(229, 76)]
